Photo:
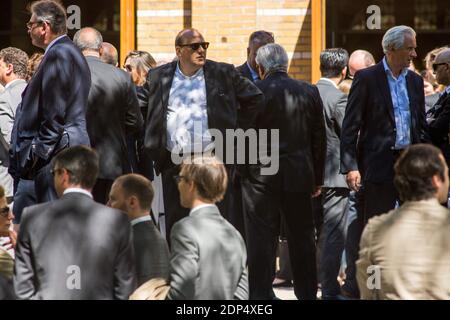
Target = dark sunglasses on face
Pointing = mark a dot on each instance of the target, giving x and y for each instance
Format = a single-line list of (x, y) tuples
[(178, 179), (436, 65), (4, 212), (195, 46)]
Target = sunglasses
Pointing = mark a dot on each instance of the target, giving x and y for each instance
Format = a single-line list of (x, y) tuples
[(436, 65), (4, 212), (178, 179), (195, 46)]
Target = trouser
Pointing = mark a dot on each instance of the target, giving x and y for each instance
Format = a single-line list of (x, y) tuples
[(262, 210), (332, 238)]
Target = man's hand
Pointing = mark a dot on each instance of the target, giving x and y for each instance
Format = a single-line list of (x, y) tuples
[(317, 192), (354, 180)]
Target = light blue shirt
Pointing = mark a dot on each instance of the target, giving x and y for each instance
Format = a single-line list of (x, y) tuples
[(187, 116), (254, 74), (400, 101)]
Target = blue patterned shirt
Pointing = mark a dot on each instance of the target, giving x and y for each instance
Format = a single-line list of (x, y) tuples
[(400, 101)]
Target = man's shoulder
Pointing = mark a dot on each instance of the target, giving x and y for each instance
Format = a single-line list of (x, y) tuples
[(220, 66)]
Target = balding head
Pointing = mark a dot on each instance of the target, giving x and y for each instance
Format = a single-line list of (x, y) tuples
[(109, 54), (185, 35), (89, 41), (441, 67), (443, 56), (360, 59)]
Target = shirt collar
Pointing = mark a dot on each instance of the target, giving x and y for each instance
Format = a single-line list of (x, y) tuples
[(254, 74), (330, 81), (9, 84), (389, 71), (197, 208), (182, 75), (52, 43), (78, 190), (141, 219), (447, 89)]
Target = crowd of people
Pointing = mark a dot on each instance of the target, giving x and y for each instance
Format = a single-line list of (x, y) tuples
[(90, 160)]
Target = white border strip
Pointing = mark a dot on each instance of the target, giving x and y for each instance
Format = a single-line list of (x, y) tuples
[(163, 13), (283, 12)]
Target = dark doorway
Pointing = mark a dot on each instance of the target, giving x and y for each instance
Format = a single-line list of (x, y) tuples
[(346, 24)]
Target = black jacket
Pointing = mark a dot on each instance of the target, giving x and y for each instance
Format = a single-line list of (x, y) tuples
[(370, 114), (113, 113)]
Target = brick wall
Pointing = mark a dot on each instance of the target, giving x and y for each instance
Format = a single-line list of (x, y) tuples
[(227, 26)]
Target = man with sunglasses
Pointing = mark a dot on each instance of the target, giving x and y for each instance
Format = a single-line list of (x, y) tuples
[(52, 114), (439, 121), (187, 98)]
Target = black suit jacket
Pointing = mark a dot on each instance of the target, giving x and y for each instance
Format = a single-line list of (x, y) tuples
[(245, 71), (52, 115), (439, 125), (334, 103), (151, 251), (232, 102), (113, 113), (371, 114), (295, 109), (74, 237)]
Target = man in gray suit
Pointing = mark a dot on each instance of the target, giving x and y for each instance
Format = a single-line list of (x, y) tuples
[(335, 192), (74, 248), (133, 194), (112, 113), (13, 70), (208, 260)]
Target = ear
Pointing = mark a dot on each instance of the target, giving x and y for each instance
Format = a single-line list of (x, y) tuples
[(261, 71), (436, 181), (9, 69), (101, 51), (178, 51), (344, 72), (248, 52)]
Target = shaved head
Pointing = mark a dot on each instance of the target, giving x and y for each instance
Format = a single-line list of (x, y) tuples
[(88, 39), (184, 35), (360, 59)]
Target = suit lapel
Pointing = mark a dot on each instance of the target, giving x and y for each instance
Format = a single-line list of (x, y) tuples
[(166, 83), (383, 85), (211, 91), (412, 101)]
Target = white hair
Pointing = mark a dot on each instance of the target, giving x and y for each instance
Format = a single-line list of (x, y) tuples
[(272, 57), (394, 38)]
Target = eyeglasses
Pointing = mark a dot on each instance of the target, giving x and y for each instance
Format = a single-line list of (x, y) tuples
[(178, 179), (31, 24), (195, 46), (58, 170), (4, 212), (436, 65)]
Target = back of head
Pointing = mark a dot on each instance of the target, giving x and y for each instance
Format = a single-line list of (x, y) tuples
[(17, 58), (414, 171), (88, 40), (208, 175), (272, 57), (81, 162), (109, 54), (52, 12), (261, 37), (360, 59), (33, 64), (138, 186), (332, 62)]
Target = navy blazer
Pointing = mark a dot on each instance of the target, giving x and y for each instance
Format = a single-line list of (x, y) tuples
[(52, 115), (370, 114)]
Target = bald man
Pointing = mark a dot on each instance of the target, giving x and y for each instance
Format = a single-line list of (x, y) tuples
[(109, 54), (360, 59), (176, 121), (439, 115), (112, 114)]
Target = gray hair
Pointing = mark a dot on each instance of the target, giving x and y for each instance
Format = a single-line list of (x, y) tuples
[(272, 57), (88, 39), (394, 38), (51, 12)]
